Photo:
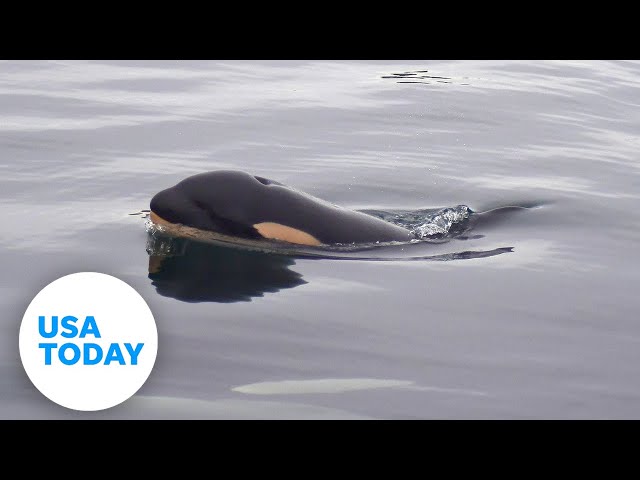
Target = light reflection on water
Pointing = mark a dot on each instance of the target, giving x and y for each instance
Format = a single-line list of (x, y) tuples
[(543, 330)]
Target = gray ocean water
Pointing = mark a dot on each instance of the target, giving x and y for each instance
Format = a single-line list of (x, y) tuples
[(547, 328)]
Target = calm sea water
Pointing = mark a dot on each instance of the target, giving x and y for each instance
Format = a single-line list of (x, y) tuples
[(547, 328)]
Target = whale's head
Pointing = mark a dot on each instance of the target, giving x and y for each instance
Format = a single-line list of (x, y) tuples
[(209, 201)]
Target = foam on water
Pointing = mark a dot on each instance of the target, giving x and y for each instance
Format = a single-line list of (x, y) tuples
[(429, 223)]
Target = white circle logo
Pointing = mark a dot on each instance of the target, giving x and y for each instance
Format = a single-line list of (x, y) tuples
[(88, 341)]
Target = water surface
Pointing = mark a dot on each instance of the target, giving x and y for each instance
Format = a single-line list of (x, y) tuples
[(545, 328)]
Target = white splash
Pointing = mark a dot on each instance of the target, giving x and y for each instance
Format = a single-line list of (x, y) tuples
[(441, 222)]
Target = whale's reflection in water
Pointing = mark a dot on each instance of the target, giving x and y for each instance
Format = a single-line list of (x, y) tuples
[(198, 272)]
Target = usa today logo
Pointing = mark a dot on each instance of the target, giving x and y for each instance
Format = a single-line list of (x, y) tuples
[(88, 341), (89, 328)]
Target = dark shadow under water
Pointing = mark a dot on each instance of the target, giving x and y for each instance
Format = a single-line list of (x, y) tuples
[(193, 271), (201, 272)]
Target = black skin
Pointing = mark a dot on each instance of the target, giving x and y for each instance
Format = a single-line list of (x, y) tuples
[(231, 202)]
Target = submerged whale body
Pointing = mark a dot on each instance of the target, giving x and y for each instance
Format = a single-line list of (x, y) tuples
[(238, 204)]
